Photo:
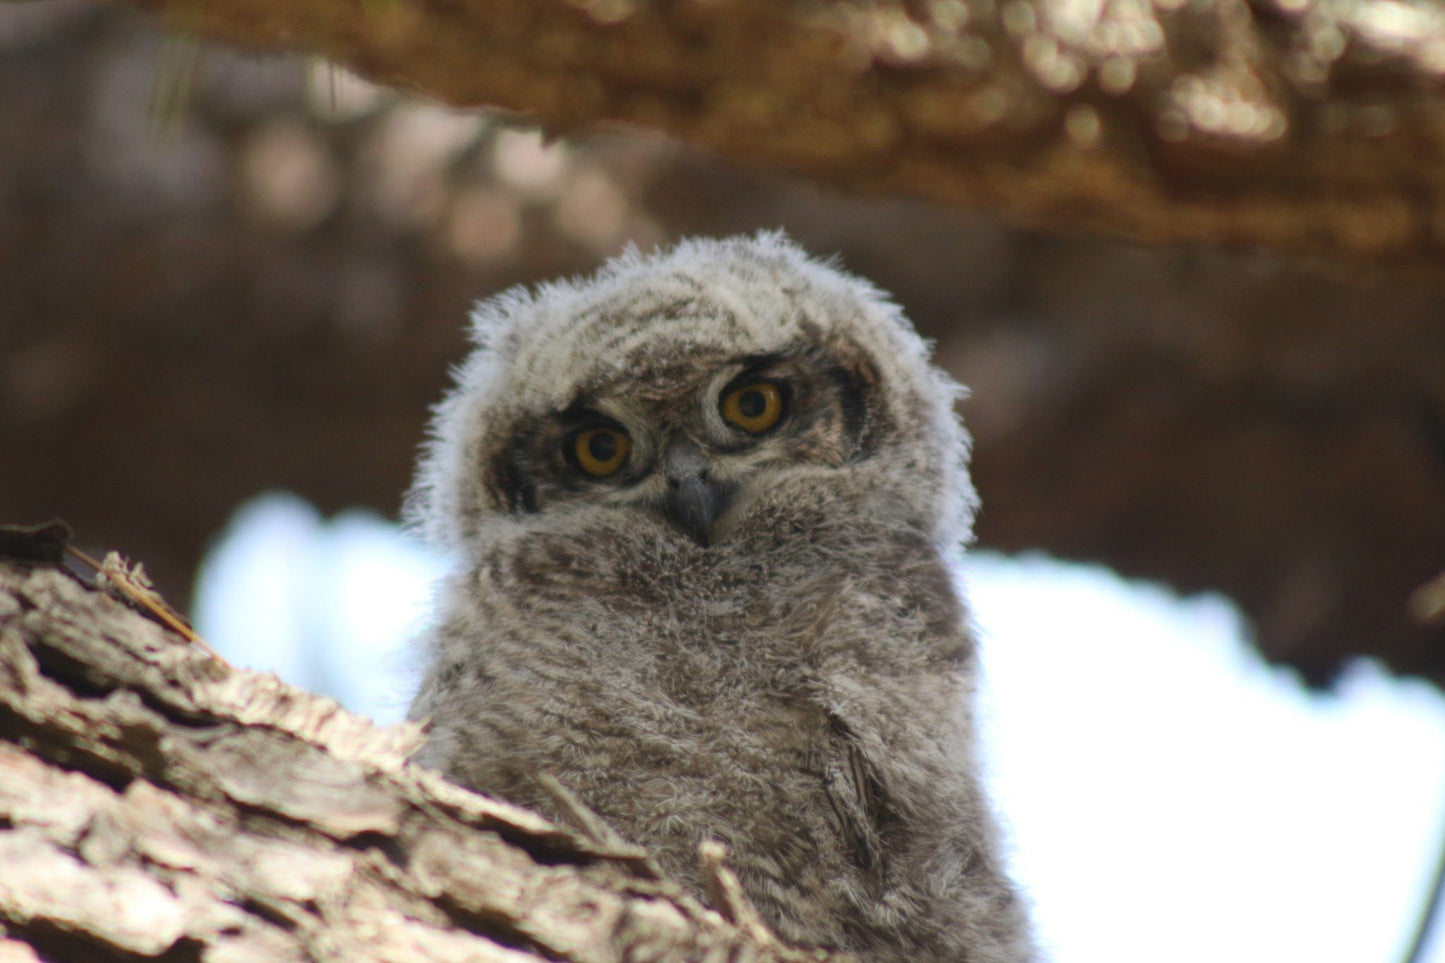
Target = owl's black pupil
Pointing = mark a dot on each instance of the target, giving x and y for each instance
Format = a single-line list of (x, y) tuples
[(752, 403), (602, 445)]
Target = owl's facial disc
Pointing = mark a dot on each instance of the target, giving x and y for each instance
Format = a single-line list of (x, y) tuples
[(695, 498), (693, 446)]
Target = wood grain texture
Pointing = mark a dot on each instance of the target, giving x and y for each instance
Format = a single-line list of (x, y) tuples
[(155, 803)]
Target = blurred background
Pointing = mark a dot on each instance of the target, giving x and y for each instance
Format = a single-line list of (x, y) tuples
[(231, 285)]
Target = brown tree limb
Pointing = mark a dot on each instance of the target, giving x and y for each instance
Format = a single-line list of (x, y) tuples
[(1295, 124), (157, 803)]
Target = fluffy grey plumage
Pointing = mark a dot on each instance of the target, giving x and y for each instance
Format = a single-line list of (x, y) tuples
[(743, 626)]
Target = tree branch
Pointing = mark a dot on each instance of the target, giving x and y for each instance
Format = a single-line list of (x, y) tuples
[(1288, 123)]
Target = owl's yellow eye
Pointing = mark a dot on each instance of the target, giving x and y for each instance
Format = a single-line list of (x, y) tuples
[(601, 451), (754, 407)]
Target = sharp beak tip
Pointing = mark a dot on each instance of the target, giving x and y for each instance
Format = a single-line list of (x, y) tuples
[(694, 505)]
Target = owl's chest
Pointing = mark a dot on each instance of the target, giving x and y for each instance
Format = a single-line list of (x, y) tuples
[(677, 649), (658, 598), (716, 627), (692, 745), (687, 693)]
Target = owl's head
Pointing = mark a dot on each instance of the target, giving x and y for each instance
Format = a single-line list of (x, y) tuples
[(692, 387)]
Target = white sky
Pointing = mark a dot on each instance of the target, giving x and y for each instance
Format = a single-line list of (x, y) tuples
[(1169, 797)]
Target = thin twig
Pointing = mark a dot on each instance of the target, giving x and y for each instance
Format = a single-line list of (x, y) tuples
[(135, 586), (1427, 603), (597, 829), (725, 891)]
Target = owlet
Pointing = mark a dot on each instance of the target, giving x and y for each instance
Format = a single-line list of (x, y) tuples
[(703, 508)]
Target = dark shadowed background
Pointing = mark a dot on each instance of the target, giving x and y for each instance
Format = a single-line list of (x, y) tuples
[(223, 274)]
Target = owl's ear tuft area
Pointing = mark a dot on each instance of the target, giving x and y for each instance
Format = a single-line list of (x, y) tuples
[(494, 325)]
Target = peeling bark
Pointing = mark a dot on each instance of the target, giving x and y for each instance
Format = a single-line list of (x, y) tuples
[(1297, 125), (157, 803)]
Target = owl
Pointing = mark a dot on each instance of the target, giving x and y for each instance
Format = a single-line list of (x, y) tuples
[(703, 508)]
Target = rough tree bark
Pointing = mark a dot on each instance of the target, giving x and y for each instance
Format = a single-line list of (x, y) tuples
[(1289, 123), (157, 803)]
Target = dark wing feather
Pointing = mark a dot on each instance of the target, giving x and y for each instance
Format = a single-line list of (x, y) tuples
[(856, 796)]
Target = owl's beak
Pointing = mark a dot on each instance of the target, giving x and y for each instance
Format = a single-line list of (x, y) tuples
[(695, 500)]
